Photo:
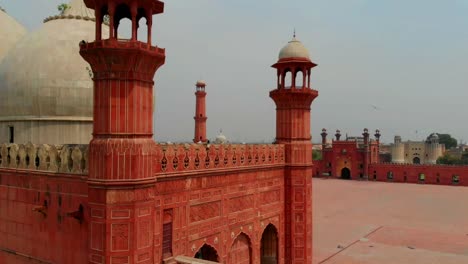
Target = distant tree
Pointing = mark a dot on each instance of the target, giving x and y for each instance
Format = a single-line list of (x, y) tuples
[(62, 8), (446, 139), (316, 154), (464, 158), (447, 159)]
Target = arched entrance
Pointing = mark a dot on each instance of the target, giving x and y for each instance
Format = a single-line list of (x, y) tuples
[(269, 247), (241, 251), (207, 252), (416, 160), (345, 174)]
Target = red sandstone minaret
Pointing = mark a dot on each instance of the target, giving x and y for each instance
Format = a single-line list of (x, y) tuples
[(200, 113), (121, 196), (293, 101)]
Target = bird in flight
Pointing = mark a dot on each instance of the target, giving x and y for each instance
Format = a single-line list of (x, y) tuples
[(375, 107)]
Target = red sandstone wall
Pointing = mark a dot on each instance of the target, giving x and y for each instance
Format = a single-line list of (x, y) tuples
[(443, 173), (55, 237), (215, 209), (225, 200)]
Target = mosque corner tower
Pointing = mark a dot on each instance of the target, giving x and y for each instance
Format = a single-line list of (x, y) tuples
[(293, 101), (121, 196)]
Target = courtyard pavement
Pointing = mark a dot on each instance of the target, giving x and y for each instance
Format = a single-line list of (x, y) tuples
[(377, 222)]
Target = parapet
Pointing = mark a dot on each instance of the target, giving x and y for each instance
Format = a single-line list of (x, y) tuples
[(193, 157), (52, 158)]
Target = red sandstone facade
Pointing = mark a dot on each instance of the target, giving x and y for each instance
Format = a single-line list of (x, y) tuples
[(126, 199)]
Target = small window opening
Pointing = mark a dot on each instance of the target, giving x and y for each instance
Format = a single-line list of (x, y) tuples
[(12, 134), (422, 177), (390, 175), (455, 179)]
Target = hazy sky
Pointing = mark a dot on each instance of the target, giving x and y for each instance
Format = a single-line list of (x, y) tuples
[(408, 58)]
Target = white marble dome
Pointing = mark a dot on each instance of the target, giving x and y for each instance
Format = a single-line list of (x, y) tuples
[(200, 83), (10, 33), (44, 79), (221, 138), (294, 49)]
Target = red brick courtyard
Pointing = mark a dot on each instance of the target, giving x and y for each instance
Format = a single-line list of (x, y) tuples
[(378, 222)]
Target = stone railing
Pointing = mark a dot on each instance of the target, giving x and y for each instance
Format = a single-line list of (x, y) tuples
[(185, 157), (167, 157), (61, 158)]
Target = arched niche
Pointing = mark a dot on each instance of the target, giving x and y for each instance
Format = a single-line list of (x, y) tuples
[(299, 79), (241, 250), (269, 245), (207, 252)]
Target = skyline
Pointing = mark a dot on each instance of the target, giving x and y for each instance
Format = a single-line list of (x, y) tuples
[(368, 54)]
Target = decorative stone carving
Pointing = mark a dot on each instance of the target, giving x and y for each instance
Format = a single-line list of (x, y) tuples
[(53, 155), (4, 156), (76, 156), (13, 156), (43, 155), (31, 154), (85, 159)]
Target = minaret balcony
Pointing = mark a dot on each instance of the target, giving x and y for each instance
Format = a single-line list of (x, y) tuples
[(122, 44)]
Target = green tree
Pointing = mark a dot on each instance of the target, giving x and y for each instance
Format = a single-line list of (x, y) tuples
[(62, 8), (316, 154), (445, 139), (464, 158), (448, 160)]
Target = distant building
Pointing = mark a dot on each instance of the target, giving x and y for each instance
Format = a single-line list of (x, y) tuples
[(417, 152), (350, 157)]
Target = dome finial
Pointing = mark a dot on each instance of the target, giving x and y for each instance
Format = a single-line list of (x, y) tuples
[(294, 33)]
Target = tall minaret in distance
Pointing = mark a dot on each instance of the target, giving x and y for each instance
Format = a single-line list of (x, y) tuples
[(200, 113)]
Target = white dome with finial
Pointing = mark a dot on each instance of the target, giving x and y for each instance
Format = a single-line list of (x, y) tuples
[(221, 139), (43, 79), (10, 32), (201, 83), (294, 49)]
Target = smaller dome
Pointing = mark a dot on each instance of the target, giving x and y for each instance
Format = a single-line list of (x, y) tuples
[(221, 139), (201, 83), (294, 49), (10, 33)]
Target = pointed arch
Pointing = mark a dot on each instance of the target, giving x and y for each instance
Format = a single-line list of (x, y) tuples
[(269, 245), (167, 233), (207, 252), (299, 79), (241, 250), (122, 22), (142, 24), (287, 79)]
